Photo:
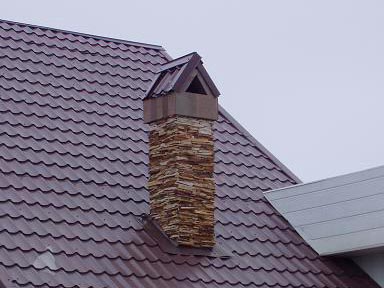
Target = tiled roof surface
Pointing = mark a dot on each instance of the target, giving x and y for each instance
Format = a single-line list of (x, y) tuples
[(73, 171)]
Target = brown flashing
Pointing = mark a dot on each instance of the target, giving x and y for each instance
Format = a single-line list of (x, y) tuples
[(188, 68), (171, 247), (183, 104)]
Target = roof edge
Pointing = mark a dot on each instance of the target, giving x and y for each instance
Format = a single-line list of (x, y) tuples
[(109, 39), (179, 61), (358, 176), (259, 145)]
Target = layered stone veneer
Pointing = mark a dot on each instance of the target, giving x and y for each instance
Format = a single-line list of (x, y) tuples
[(181, 184)]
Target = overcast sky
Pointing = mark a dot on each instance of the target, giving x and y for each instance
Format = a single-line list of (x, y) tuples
[(304, 77)]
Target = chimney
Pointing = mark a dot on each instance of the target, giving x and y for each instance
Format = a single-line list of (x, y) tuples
[(180, 108)]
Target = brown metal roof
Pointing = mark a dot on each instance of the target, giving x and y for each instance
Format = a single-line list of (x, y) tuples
[(172, 75), (73, 170)]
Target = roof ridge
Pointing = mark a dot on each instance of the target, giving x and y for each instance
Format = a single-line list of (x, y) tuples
[(264, 150), (179, 61), (98, 37)]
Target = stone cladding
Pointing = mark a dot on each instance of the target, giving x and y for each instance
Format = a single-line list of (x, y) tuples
[(181, 183)]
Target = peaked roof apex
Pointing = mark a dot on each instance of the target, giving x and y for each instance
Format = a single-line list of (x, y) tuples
[(192, 59), (177, 74)]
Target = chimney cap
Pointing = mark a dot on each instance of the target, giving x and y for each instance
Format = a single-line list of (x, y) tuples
[(184, 74)]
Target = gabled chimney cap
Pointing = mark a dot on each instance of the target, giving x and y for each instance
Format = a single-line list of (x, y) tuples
[(181, 75)]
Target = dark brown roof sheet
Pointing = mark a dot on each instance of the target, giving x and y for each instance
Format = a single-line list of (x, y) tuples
[(73, 170)]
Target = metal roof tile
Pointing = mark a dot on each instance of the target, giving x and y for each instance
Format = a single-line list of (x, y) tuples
[(73, 156)]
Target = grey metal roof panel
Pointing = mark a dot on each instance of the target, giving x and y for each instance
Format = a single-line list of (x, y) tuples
[(73, 171), (338, 215)]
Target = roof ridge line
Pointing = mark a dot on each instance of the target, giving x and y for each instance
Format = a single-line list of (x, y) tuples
[(178, 61), (260, 146), (98, 37)]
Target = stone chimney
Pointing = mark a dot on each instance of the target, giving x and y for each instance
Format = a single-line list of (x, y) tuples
[(180, 108)]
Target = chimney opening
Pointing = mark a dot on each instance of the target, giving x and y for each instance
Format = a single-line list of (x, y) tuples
[(196, 87)]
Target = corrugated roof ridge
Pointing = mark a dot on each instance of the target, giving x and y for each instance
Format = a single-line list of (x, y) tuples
[(98, 37), (66, 97), (76, 166), (40, 204), (65, 65), (186, 262), (72, 180), (12, 186), (63, 129), (244, 281), (104, 146), (13, 145), (80, 253), (101, 255), (93, 133), (98, 81), (50, 105), (68, 88), (77, 120)]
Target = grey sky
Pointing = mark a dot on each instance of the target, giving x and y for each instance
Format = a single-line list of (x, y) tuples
[(304, 77)]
